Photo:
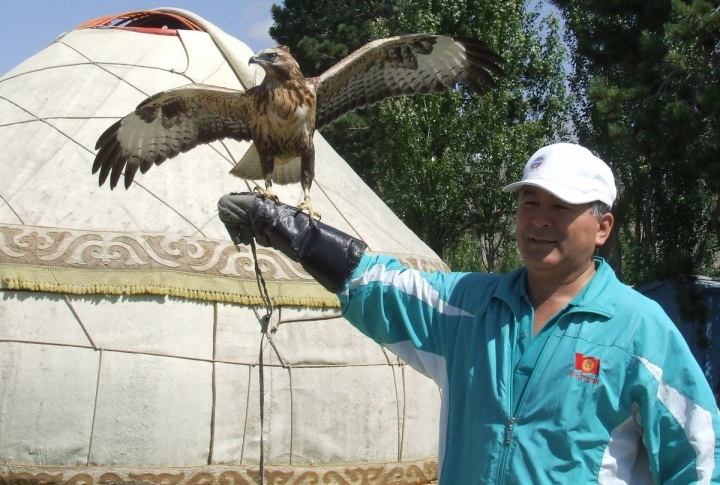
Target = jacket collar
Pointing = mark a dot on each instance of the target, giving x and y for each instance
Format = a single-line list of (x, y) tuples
[(598, 296)]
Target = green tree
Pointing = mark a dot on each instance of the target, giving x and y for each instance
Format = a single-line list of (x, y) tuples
[(646, 76), (694, 63), (439, 161), (645, 73)]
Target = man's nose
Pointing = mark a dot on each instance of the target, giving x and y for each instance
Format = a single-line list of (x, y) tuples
[(542, 217)]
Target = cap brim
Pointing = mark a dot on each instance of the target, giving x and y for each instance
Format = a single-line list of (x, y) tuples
[(561, 191)]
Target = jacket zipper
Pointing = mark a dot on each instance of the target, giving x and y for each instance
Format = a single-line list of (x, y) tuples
[(508, 440), (506, 448), (511, 422), (508, 431)]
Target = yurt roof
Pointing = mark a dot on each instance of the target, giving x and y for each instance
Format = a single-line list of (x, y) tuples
[(60, 231)]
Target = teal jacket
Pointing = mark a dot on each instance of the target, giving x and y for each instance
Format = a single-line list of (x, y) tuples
[(606, 392)]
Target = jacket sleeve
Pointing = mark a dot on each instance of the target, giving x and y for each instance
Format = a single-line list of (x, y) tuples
[(402, 309), (678, 413)]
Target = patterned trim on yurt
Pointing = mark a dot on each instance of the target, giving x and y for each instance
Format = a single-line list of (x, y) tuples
[(404, 473), (94, 262), (142, 19)]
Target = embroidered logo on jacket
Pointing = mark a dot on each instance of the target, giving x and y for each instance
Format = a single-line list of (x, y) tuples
[(586, 365)]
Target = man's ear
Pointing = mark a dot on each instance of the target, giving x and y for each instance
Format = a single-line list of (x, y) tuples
[(604, 228)]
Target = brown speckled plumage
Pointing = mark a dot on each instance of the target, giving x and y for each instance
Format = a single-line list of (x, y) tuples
[(281, 114)]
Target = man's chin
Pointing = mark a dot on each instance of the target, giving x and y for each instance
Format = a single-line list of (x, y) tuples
[(538, 250), (537, 259)]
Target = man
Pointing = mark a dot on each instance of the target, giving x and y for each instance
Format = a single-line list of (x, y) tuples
[(554, 373)]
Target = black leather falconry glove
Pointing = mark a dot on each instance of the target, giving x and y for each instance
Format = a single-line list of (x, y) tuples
[(328, 255)]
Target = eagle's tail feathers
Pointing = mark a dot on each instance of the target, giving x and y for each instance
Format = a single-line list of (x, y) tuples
[(287, 173), (249, 165)]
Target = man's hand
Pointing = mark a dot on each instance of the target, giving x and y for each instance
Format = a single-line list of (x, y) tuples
[(234, 210), (329, 255), (248, 215)]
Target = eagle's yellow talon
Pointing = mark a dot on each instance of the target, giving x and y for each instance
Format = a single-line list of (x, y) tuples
[(306, 205), (270, 194), (267, 192)]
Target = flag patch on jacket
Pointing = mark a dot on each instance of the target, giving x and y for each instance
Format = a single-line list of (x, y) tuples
[(587, 364)]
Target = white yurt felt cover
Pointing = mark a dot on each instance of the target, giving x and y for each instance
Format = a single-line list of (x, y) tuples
[(129, 324)]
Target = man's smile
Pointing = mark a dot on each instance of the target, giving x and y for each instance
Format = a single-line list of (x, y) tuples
[(541, 240)]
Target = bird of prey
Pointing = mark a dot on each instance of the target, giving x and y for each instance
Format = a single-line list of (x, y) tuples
[(281, 114)]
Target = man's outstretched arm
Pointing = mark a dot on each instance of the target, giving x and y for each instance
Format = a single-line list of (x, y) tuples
[(394, 305)]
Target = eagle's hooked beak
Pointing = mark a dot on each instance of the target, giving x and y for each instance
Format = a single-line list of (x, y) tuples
[(252, 60)]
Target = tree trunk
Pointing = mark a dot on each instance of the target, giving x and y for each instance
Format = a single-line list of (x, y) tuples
[(715, 219)]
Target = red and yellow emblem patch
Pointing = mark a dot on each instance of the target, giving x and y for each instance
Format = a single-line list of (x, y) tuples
[(587, 364)]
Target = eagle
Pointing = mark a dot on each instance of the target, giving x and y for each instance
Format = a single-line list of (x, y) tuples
[(281, 114)]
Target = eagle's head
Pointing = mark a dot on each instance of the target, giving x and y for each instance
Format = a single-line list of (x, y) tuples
[(277, 62)]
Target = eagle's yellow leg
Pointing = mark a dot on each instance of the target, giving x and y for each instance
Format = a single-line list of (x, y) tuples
[(267, 191), (307, 205), (270, 194)]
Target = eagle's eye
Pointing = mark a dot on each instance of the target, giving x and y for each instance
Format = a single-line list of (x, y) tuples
[(272, 56)]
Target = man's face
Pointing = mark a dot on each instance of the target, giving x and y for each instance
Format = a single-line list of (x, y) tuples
[(555, 236)]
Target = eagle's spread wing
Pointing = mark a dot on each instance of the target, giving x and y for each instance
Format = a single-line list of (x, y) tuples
[(400, 66), (168, 123)]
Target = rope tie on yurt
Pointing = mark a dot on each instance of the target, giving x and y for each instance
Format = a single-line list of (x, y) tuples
[(264, 325)]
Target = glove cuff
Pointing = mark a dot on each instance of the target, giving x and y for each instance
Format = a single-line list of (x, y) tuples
[(328, 255)]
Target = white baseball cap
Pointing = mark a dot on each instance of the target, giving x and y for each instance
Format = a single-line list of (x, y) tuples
[(569, 172)]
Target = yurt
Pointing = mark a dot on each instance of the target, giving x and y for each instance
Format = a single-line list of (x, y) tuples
[(130, 335)]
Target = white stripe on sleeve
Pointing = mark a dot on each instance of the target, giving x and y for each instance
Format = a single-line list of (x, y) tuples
[(623, 462), (694, 420), (411, 283)]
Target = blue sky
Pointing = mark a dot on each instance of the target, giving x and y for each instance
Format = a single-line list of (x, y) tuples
[(28, 26)]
